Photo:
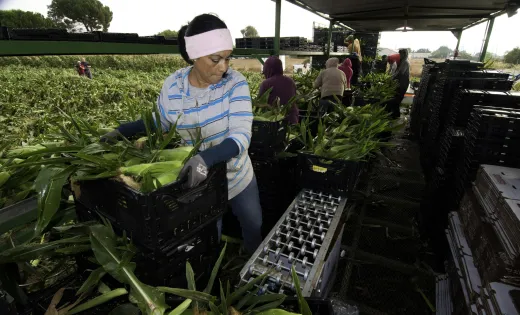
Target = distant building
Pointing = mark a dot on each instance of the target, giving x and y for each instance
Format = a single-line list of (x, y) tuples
[(416, 55), (386, 52)]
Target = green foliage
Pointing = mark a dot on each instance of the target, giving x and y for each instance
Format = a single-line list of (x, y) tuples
[(516, 87), (442, 52), (513, 56), (423, 50), (465, 55), (348, 133), (147, 63), (92, 14), (168, 33), (378, 87), (24, 19), (249, 31)]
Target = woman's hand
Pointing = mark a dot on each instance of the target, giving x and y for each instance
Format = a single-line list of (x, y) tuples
[(110, 137), (195, 170)]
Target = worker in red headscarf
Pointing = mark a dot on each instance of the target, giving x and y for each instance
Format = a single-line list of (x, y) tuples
[(346, 67), (393, 61)]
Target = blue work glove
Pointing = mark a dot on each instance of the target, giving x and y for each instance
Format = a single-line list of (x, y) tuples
[(195, 170)]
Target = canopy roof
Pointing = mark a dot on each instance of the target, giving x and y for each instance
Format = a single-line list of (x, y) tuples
[(419, 15)]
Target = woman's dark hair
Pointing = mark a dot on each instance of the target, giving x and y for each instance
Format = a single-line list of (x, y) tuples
[(200, 24), (403, 53)]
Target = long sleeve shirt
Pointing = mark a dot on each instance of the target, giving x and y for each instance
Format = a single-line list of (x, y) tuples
[(332, 81), (223, 111)]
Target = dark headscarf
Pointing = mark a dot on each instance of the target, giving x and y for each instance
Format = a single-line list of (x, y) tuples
[(272, 66)]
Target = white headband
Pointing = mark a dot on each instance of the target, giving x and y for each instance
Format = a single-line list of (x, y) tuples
[(208, 43)]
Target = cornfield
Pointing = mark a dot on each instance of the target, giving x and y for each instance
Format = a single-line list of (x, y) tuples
[(33, 87)]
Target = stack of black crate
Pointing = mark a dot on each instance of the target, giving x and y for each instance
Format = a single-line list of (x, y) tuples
[(492, 137), (286, 43), (451, 79), (418, 112), (445, 143), (168, 226), (274, 168), (464, 104)]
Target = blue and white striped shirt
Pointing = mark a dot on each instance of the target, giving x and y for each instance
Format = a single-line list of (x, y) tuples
[(223, 111)]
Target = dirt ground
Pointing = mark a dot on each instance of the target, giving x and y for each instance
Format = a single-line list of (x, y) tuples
[(255, 65)]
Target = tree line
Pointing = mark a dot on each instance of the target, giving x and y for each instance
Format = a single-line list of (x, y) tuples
[(77, 16), (511, 57)]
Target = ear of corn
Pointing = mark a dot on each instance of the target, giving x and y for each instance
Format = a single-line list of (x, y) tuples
[(167, 178), (24, 150), (153, 169), (133, 161), (177, 154)]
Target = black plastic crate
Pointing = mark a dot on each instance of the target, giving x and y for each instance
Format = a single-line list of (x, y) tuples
[(262, 152), (155, 40), (201, 250), (118, 37), (83, 37), (461, 110), (38, 34), (159, 219), (269, 133), (275, 172), (4, 33), (328, 175)]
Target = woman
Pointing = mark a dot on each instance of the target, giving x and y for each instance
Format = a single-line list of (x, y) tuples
[(282, 86), (356, 49), (210, 96), (356, 69), (402, 76), (80, 69), (332, 82), (349, 41), (346, 67), (393, 61)]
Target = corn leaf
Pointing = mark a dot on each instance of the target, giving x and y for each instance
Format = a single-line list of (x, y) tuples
[(214, 308), (49, 151), (125, 309), (269, 306), (105, 248), (188, 294), (26, 252), (304, 306), (214, 272), (182, 307), (223, 301), (98, 300), (103, 288), (72, 250), (242, 290), (92, 280), (265, 298), (104, 163), (49, 185)]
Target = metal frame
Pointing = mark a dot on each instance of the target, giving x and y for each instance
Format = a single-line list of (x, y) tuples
[(35, 48), (278, 20), (309, 288), (489, 29)]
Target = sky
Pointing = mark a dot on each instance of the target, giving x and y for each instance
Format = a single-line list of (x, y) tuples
[(152, 16)]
